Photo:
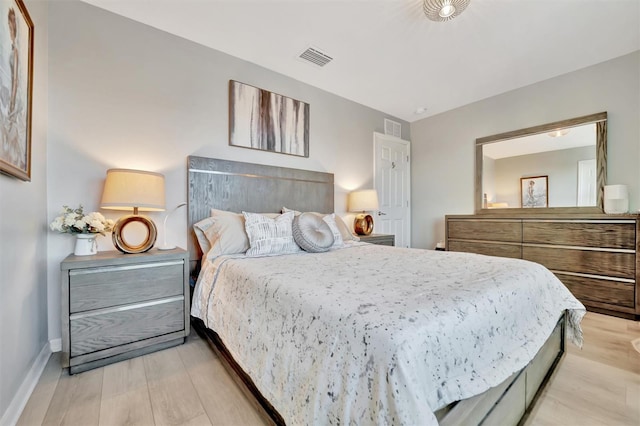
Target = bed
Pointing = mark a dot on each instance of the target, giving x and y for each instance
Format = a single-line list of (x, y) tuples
[(366, 334)]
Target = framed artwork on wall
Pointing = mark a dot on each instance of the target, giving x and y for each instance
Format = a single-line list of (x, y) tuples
[(534, 191), (16, 81), (259, 119)]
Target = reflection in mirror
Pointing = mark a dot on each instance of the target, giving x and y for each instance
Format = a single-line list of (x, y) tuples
[(566, 157), (561, 165)]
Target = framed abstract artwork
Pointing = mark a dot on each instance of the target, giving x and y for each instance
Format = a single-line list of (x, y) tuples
[(16, 81), (534, 191), (259, 119)]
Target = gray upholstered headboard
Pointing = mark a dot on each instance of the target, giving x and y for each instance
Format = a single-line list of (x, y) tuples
[(236, 186)]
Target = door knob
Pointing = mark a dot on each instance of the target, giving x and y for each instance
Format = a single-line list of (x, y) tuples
[(381, 213)]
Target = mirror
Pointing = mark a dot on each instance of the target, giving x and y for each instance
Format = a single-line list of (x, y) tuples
[(559, 166)]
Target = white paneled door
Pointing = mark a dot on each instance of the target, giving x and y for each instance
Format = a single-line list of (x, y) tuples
[(587, 177), (392, 174)]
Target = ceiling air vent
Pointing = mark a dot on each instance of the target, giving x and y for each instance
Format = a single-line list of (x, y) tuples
[(392, 128), (315, 56)]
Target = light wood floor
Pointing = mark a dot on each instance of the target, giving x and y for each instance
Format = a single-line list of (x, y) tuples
[(598, 384), (187, 385)]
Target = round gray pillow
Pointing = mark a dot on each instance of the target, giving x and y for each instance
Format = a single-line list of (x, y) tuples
[(312, 233)]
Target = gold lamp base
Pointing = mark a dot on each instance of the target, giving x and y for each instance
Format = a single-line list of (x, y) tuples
[(125, 247), (363, 224)]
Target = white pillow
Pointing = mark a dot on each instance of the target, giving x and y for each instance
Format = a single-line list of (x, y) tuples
[(338, 223), (347, 235), (200, 229), (223, 233), (270, 236), (330, 220)]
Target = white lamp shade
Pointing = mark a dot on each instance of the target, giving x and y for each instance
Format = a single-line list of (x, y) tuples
[(614, 192), (125, 189), (616, 199), (364, 200)]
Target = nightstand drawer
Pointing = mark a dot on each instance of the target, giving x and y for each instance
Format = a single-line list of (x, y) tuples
[(106, 328), (96, 288)]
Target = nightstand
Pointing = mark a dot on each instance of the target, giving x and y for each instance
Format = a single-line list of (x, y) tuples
[(117, 306), (380, 239)]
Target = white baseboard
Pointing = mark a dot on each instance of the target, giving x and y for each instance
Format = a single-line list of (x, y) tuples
[(11, 416), (56, 345)]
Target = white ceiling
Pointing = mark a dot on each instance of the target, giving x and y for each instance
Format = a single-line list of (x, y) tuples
[(578, 136), (389, 56)]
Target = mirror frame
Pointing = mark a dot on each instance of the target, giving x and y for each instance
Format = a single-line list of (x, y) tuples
[(600, 119)]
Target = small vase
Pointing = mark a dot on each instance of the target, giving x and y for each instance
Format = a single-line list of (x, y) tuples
[(86, 245)]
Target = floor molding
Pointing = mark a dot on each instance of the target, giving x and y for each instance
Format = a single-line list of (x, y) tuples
[(11, 416)]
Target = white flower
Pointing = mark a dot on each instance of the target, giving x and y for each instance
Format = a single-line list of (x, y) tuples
[(97, 225), (70, 219), (74, 221), (97, 216), (57, 223)]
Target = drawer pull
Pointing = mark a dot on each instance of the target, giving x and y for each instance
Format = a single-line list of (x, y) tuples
[(631, 221), (598, 277), (123, 268), (556, 246), (502, 243), (487, 220), (124, 308)]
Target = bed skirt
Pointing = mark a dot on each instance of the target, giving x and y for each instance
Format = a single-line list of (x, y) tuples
[(506, 404)]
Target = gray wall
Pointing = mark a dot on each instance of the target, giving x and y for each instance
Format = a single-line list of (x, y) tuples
[(560, 166), (23, 243), (443, 145), (126, 95)]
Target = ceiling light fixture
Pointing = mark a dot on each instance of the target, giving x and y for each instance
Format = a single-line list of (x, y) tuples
[(443, 10), (558, 133)]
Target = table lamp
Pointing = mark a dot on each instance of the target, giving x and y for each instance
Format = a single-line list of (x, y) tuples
[(616, 199), (165, 245), (126, 189), (363, 201)]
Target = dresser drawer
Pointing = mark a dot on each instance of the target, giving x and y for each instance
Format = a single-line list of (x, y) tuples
[(490, 249), (619, 265), (485, 229), (106, 328), (600, 291), (96, 288), (605, 234)]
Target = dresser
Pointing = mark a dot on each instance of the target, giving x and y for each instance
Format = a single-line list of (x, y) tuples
[(595, 256), (380, 239), (117, 306)]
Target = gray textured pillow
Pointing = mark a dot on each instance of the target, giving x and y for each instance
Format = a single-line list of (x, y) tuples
[(345, 233), (312, 233), (269, 236)]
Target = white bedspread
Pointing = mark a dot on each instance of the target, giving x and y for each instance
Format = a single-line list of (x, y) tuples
[(372, 334)]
